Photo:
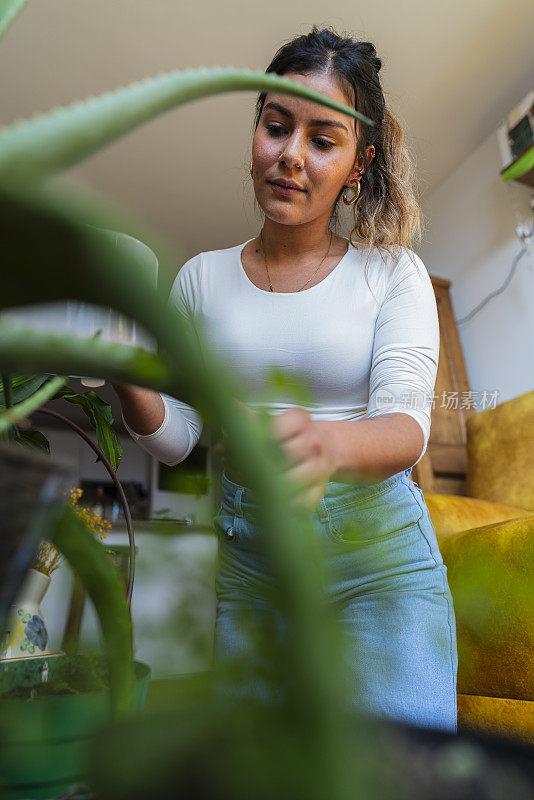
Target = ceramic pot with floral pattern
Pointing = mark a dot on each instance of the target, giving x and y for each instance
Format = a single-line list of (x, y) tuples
[(26, 635)]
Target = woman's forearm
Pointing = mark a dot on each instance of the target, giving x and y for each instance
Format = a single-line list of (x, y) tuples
[(371, 450), (143, 409)]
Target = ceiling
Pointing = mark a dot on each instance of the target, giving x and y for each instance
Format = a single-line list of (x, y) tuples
[(450, 72)]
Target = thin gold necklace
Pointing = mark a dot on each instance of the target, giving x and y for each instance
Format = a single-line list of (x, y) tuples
[(309, 279)]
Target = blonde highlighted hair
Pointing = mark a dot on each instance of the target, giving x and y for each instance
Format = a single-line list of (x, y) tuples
[(387, 214)]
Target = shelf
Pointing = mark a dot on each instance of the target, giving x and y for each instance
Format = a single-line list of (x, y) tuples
[(522, 169), (159, 526)]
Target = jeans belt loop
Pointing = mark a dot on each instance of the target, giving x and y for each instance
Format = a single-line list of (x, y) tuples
[(238, 508)]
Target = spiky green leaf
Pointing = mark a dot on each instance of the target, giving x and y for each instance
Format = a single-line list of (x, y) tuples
[(9, 9), (34, 149)]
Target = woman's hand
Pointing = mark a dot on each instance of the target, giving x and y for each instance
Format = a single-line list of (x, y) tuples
[(306, 444), (308, 449)]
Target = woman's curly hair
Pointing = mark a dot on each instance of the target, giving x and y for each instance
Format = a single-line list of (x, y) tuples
[(387, 214)]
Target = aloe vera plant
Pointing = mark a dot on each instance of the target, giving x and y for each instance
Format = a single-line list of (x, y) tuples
[(42, 231)]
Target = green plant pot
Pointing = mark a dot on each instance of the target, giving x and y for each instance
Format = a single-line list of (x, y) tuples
[(45, 741)]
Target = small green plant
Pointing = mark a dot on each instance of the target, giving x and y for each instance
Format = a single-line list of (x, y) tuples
[(18, 389), (71, 675)]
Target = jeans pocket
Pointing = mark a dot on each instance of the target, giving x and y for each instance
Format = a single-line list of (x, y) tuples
[(224, 523), (375, 517)]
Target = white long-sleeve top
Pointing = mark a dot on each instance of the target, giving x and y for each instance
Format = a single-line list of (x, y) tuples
[(361, 348)]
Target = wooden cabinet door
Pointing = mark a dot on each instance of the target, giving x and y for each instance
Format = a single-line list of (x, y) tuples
[(443, 467)]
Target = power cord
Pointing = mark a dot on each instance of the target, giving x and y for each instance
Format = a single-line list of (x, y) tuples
[(525, 235)]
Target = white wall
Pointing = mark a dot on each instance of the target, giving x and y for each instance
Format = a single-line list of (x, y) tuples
[(67, 445), (471, 240)]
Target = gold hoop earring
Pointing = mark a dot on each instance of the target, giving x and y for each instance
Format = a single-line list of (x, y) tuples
[(250, 168), (353, 199)]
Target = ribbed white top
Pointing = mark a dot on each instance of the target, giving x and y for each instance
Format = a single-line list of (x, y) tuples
[(360, 348)]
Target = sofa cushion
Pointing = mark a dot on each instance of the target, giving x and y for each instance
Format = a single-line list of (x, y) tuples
[(496, 715), (500, 444), (451, 513)]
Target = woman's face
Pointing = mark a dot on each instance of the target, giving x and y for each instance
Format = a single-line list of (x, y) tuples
[(310, 144)]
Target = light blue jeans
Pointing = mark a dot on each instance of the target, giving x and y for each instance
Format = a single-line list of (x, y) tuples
[(388, 585)]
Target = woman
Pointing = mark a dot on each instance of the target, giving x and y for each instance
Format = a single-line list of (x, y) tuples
[(366, 342)]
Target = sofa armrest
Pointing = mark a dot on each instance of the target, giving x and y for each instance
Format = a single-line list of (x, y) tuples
[(491, 577)]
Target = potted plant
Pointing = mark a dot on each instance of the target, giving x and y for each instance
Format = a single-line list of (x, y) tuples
[(32, 490), (50, 710), (309, 746), (51, 703)]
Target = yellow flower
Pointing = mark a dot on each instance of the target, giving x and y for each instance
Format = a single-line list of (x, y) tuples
[(89, 516), (48, 558)]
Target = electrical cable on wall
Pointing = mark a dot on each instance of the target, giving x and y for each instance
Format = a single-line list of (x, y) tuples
[(497, 291), (526, 237)]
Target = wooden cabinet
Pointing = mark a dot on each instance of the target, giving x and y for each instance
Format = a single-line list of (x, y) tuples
[(443, 467)]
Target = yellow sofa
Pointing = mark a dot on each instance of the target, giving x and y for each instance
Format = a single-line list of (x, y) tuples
[(487, 542)]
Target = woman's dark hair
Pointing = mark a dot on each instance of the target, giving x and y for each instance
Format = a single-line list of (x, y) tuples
[(387, 213)]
